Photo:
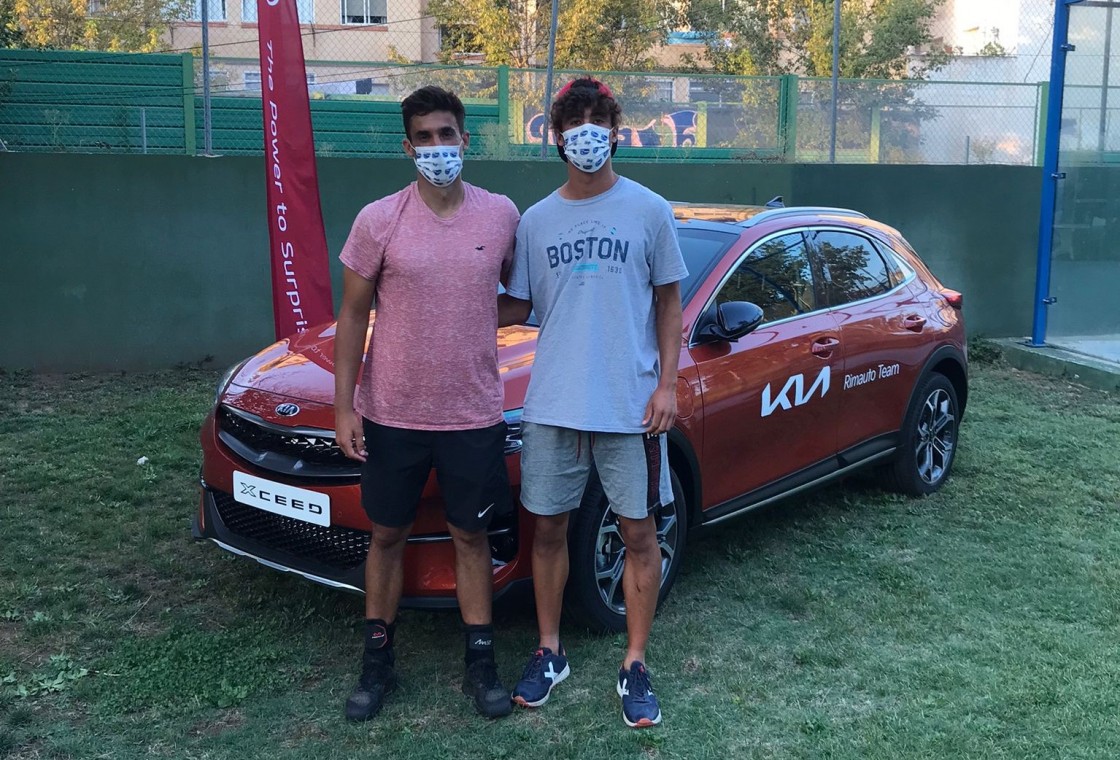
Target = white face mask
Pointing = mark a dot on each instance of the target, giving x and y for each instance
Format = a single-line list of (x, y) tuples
[(439, 164), (587, 147)]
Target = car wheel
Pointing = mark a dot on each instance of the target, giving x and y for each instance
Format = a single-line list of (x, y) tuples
[(929, 439), (597, 556)]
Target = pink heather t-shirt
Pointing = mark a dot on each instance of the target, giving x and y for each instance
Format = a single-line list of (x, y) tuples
[(432, 362)]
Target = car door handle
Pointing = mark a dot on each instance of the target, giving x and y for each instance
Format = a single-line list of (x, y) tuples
[(914, 322), (823, 347)]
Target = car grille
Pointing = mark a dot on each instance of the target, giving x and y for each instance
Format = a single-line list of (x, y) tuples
[(342, 548), (286, 451)]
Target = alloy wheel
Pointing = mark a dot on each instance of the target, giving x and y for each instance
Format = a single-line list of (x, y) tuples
[(937, 437)]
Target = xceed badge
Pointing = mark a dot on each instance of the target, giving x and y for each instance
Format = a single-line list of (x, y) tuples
[(287, 409), (282, 499)]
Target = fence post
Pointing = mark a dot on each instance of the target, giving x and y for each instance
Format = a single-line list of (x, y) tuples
[(504, 126), (875, 156), (787, 117), (190, 145), (701, 124), (1040, 128)]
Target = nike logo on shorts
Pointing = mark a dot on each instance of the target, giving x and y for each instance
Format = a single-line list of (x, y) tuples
[(483, 512)]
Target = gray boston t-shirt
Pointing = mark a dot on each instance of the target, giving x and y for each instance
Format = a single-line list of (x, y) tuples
[(589, 267)]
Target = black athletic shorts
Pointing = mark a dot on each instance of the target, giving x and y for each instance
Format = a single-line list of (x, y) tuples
[(470, 467)]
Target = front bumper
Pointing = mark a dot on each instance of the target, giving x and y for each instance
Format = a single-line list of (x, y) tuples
[(335, 556)]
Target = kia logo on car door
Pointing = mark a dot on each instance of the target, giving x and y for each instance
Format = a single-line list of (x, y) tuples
[(287, 410)]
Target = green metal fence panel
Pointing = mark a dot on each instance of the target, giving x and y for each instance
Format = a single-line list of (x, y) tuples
[(93, 102), (352, 127), (109, 102)]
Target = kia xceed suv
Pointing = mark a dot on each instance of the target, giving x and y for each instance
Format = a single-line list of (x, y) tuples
[(814, 342)]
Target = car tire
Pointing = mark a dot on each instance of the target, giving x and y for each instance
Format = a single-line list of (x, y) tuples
[(928, 440), (597, 556)]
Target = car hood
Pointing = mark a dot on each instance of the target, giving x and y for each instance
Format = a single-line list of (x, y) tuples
[(302, 367)]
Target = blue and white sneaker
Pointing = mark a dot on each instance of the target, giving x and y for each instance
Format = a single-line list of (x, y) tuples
[(640, 708), (543, 671)]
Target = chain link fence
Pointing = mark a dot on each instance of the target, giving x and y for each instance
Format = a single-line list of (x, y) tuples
[(985, 106)]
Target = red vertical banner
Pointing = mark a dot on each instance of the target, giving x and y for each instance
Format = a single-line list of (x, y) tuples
[(301, 281)]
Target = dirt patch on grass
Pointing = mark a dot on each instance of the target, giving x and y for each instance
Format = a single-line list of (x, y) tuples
[(226, 720), (9, 632), (306, 732)]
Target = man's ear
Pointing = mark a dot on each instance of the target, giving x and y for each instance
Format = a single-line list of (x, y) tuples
[(406, 146), (466, 141), (558, 140)]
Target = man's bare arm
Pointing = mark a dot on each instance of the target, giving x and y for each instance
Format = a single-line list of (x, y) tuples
[(349, 344), (512, 311), (661, 411)]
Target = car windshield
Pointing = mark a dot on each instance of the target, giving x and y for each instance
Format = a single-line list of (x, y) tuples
[(701, 250)]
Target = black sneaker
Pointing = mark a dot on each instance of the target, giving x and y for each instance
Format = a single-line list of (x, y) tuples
[(639, 706), (543, 671), (481, 684), (378, 679)]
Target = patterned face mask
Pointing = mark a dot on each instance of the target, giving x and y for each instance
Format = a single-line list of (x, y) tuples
[(439, 164), (587, 147)]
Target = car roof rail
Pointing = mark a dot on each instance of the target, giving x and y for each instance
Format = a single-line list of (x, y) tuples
[(777, 213)]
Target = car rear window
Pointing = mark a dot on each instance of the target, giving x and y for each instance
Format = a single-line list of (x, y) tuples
[(701, 250)]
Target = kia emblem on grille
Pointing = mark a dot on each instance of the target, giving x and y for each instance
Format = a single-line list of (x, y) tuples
[(287, 410)]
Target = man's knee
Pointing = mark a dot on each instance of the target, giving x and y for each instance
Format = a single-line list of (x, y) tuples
[(640, 536), (384, 538), (551, 533), (469, 540)]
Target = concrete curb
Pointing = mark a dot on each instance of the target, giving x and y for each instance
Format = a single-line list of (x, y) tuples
[(1057, 362)]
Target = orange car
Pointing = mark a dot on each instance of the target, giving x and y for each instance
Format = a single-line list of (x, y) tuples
[(815, 342)]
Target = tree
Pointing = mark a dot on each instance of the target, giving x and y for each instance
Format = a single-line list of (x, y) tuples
[(10, 34), (114, 25), (766, 37), (592, 34)]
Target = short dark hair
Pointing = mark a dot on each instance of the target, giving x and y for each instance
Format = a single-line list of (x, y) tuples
[(579, 95), (429, 99)]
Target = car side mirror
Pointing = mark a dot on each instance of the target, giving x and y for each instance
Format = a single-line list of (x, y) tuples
[(728, 322)]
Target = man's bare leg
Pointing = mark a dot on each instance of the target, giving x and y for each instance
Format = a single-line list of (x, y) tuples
[(641, 583), (550, 575)]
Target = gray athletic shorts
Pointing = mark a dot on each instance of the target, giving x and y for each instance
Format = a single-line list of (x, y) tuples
[(556, 461)]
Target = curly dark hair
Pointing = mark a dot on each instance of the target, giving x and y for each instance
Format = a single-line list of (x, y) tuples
[(580, 94), (429, 99), (575, 98)]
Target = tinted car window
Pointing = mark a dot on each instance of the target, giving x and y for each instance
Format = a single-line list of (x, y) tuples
[(701, 250), (855, 269), (777, 276)]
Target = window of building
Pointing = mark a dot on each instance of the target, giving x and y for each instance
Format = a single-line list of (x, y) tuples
[(364, 12), (216, 9), (305, 10), (662, 89), (252, 79), (854, 267), (776, 276)]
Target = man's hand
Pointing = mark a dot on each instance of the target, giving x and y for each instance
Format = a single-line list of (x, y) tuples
[(661, 410), (348, 434)]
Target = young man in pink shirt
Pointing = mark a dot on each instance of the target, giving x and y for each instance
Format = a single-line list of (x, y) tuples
[(430, 395)]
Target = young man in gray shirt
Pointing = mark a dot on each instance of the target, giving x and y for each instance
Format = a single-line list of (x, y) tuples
[(599, 262)]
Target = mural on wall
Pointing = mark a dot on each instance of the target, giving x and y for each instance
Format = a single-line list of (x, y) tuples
[(679, 126)]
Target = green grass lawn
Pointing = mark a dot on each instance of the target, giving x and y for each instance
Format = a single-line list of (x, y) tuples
[(849, 623)]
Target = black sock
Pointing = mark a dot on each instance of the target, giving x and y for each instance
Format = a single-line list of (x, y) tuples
[(379, 639), (480, 643)]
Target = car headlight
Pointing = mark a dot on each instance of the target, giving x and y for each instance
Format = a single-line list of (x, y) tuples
[(226, 377), (513, 430)]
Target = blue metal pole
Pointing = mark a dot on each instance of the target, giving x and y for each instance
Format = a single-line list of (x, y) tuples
[(1050, 175)]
